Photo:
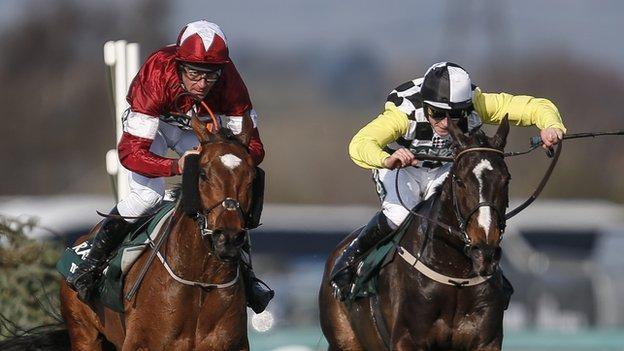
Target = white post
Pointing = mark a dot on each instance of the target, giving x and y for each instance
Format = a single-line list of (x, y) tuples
[(122, 60)]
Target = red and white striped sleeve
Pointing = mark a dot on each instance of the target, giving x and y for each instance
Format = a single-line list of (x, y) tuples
[(255, 146), (134, 148), (147, 96)]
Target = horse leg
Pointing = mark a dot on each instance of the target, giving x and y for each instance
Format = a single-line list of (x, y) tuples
[(334, 320), (494, 345), (405, 342), (83, 334), (490, 348)]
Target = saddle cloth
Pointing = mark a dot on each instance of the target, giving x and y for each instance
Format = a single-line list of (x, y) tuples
[(365, 283), (109, 289)]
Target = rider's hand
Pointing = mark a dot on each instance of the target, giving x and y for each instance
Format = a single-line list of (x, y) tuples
[(550, 137), (400, 158), (181, 160)]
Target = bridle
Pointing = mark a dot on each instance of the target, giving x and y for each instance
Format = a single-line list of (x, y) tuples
[(462, 220), (227, 204)]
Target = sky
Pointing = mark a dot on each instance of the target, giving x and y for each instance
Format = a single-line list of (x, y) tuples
[(398, 29), (590, 30)]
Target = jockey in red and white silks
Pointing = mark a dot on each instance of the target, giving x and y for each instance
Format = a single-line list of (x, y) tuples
[(162, 97), (157, 119)]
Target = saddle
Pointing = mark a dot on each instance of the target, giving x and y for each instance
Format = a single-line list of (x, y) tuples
[(367, 272), (109, 288), (366, 281)]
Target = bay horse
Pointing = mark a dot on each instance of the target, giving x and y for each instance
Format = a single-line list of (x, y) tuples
[(165, 313), (456, 301)]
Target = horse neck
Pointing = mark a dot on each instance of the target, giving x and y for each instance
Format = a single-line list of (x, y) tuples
[(191, 258), (443, 250)]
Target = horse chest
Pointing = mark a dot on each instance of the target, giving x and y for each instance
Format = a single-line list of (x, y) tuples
[(448, 333)]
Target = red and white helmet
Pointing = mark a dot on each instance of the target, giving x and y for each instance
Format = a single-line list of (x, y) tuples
[(202, 42)]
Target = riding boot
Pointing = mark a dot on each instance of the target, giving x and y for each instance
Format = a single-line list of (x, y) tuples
[(344, 269), (112, 232), (257, 292)]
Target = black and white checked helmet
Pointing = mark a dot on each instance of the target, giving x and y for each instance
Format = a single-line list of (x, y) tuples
[(447, 86)]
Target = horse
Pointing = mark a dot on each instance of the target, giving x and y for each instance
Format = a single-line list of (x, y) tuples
[(456, 301), (170, 313)]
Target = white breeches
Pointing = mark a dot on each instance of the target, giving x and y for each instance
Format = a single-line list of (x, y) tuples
[(415, 185), (145, 193)]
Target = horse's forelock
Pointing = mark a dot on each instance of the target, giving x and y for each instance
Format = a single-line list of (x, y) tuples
[(478, 139)]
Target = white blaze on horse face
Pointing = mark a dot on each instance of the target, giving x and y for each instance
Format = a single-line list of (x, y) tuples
[(484, 219), (230, 161)]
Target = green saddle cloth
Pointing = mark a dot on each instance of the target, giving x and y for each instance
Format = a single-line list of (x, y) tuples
[(368, 269), (109, 288)]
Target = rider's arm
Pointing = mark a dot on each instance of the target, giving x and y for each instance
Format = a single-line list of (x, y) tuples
[(522, 110), (134, 148), (366, 147), (255, 146), (145, 97), (235, 102)]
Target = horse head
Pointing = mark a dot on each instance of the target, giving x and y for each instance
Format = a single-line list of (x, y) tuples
[(479, 181), (226, 172)]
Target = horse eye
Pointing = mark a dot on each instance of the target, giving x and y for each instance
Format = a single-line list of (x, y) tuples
[(202, 174), (459, 182)]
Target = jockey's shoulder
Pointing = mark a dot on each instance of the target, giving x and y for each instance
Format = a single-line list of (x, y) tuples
[(160, 64)]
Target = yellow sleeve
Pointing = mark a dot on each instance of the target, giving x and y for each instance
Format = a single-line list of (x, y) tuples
[(522, 110), (366, 147)]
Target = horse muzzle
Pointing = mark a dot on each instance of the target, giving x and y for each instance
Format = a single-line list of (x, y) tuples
[(227, 243)]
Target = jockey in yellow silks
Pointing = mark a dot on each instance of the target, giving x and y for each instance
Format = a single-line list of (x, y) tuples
[(415, 121)]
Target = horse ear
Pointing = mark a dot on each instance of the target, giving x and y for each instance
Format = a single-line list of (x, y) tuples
[(499, 140), (246, 129), (458, 136), (200, 130)]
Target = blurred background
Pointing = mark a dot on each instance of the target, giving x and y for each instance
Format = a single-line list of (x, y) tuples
[(317, 72)]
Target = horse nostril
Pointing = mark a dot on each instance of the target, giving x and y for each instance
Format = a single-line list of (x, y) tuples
[(239, 238)]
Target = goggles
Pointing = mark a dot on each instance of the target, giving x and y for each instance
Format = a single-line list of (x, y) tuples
[(440, 114), (197, 75)]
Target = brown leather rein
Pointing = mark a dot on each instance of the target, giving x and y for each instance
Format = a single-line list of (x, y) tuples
[(554, 158)]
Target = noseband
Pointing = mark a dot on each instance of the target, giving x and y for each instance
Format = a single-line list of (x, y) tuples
[(227, 204)]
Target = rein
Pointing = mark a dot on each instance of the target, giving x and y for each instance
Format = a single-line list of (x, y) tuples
[(463, 222), (198, 101), (155, 252)]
